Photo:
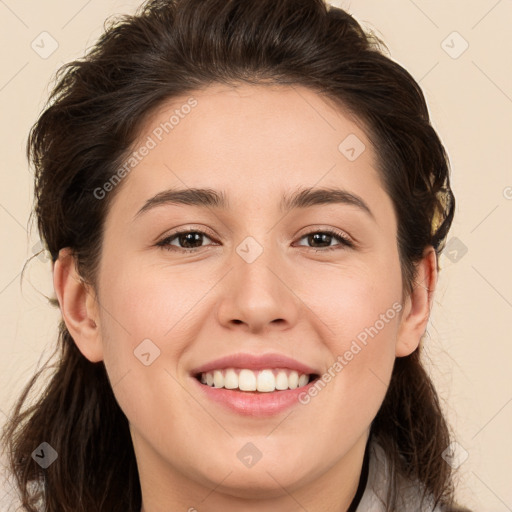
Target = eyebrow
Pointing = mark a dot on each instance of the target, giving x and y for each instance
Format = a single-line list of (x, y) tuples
[(302, 198)]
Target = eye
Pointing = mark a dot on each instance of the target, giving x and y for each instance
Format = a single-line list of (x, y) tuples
[(191, 240), (186, 241), (325, 237)]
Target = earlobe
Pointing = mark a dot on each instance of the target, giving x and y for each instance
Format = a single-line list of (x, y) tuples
[(418, 305), (78, 306)]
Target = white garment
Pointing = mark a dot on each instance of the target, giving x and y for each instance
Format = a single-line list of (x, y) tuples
[(374, 496)]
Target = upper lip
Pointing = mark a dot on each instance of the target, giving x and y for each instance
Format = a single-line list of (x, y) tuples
[(254, 362)]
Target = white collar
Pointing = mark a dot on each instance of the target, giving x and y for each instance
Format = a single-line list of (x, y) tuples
[(374, 496)]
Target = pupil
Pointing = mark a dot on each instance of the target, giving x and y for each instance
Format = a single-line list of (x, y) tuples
[(317, 236), (189, 238)]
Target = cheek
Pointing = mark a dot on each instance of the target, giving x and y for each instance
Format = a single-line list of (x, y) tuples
[(152, 301), (360, 316), (349, 394), (139, 310), (148, 321), (363, 356), (145, 330), (364, 364), (355, 301)]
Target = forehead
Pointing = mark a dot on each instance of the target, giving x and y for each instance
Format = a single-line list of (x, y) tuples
[(252, 139)]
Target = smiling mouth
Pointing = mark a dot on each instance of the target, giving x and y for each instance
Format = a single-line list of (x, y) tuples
[(255, 381)]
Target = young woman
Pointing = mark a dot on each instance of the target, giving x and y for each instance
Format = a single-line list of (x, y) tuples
[(245, 202)]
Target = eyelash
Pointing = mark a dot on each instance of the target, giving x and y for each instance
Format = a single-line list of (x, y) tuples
[(345, 241)]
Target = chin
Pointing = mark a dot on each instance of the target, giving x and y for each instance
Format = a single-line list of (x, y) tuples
[(249, 485)]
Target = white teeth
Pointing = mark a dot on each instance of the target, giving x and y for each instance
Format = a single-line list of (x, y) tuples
[(230, 379), (264, 381), (282, 381), (303, 380), (293, 380), (218, 379), (247, 380)]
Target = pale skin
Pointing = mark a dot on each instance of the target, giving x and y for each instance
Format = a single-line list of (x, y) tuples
[(254, 143)]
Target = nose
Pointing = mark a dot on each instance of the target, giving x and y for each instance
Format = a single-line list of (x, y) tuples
[(259, 295)]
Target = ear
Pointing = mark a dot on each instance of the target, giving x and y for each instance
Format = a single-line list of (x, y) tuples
[(78, 306), (417, 305)]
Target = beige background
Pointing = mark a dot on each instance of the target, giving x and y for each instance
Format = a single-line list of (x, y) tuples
[(470, 97)]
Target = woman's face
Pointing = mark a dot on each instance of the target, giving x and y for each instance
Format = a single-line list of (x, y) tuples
[(264, 279)]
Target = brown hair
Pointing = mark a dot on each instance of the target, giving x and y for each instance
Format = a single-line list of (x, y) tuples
[(171, 48)]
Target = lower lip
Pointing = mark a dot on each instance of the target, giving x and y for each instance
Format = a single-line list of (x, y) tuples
[(255, 403)]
